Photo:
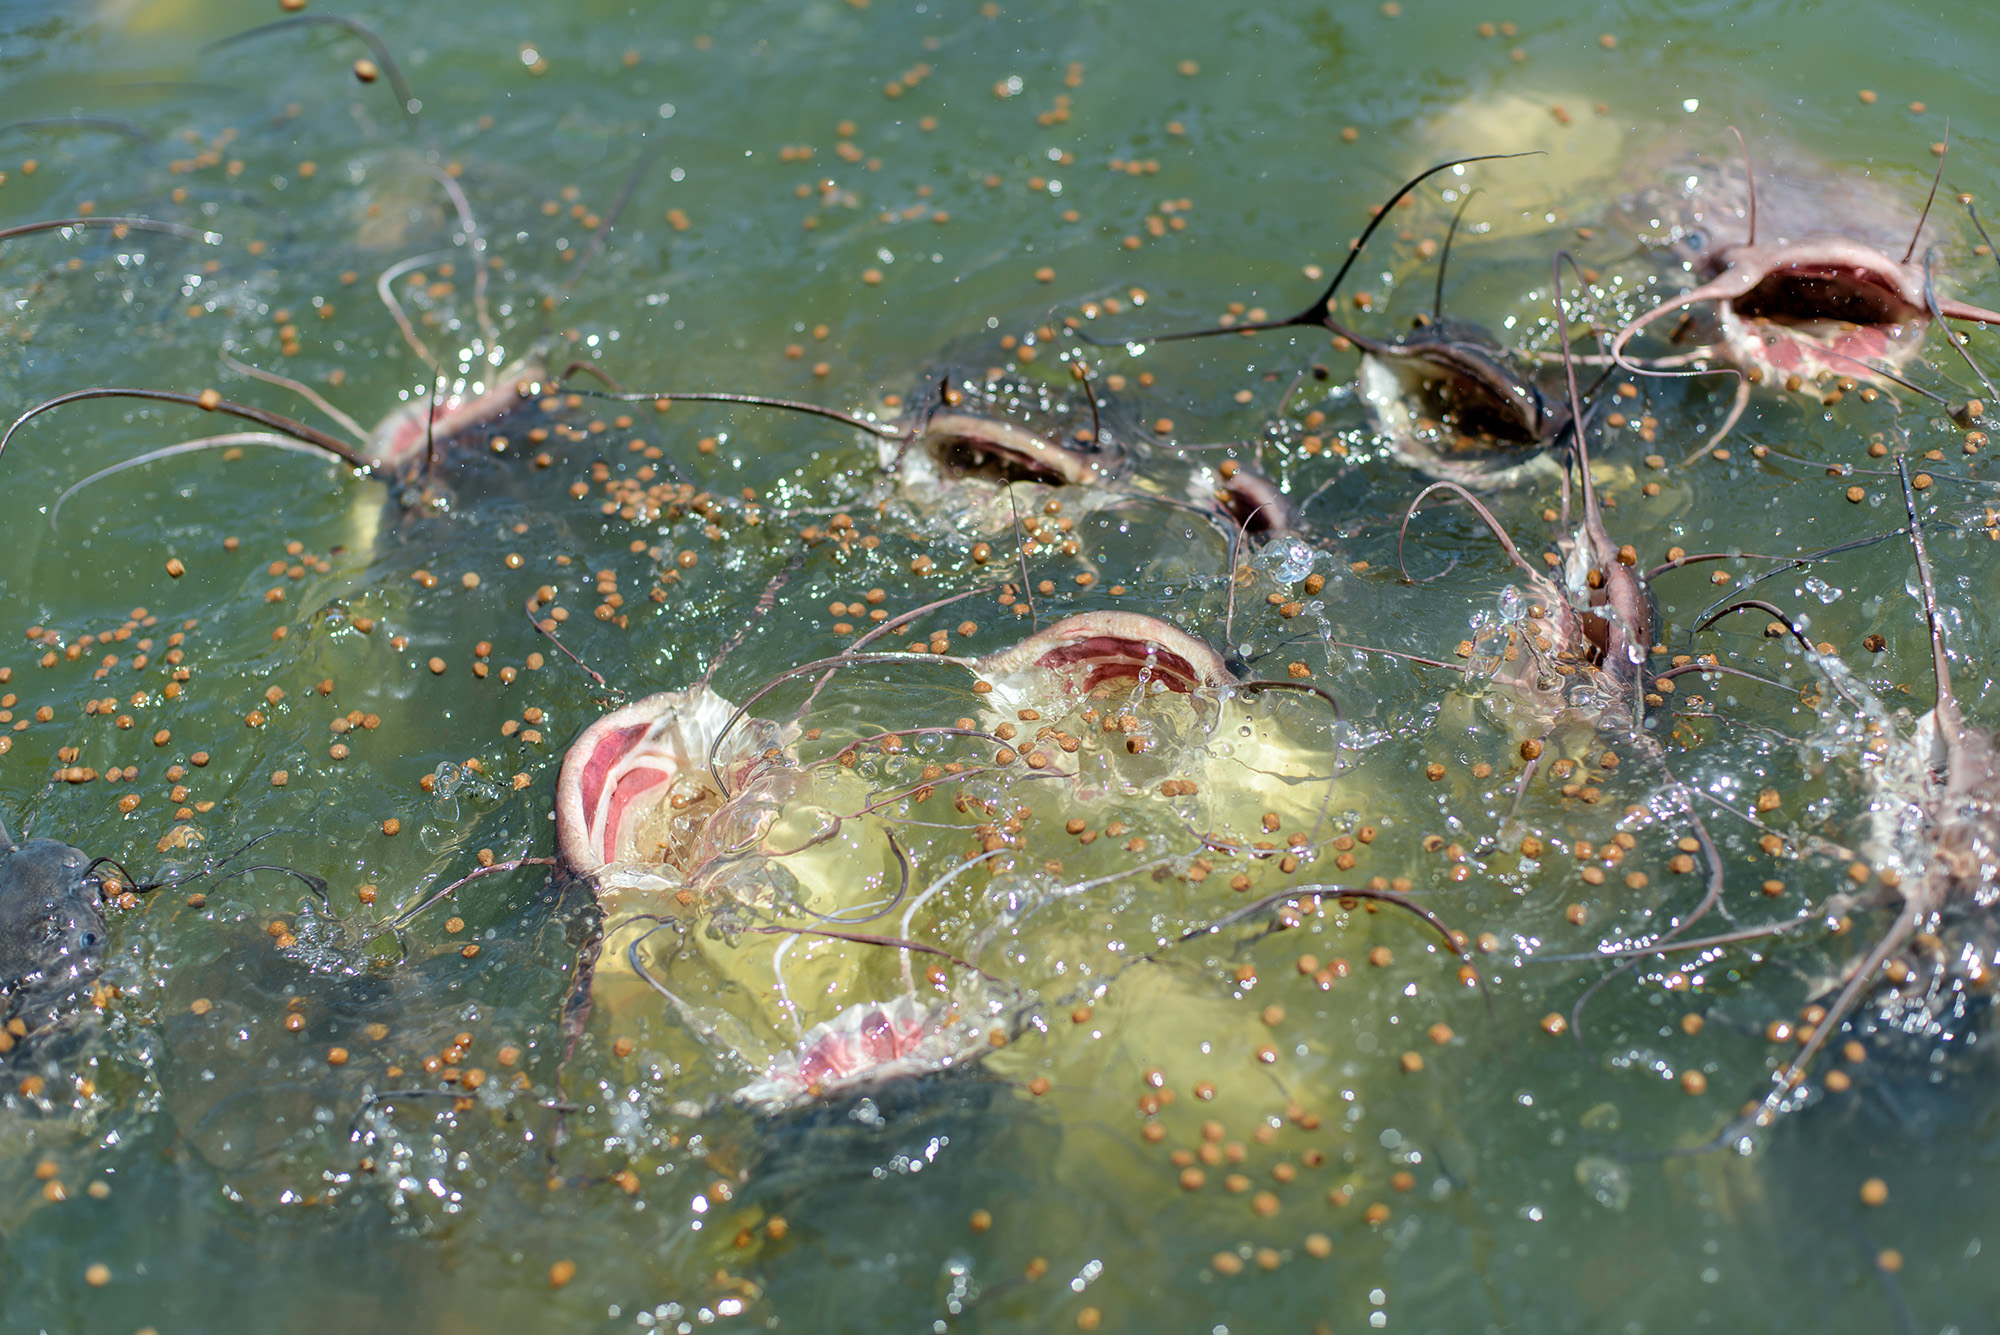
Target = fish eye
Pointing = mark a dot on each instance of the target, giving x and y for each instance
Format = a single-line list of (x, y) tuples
[(1696, 239)]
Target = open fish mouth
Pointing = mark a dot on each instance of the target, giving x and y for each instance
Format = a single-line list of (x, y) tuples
[(640, 812), (1246, 498), (1458, 375), (1833, 306), (402, 442), (635, 787), (868, 1044), (1449, 425), (967, 445), (1856, 288), (1093, 650), (1825, 303)]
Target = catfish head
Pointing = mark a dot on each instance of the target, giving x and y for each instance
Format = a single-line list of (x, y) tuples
[(961, 452), (1098, 651), (1809, 272), (1454, 403)]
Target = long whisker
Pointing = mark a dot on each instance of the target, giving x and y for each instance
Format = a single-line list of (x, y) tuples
[(611, 215), (900, 943), (228, 440), (1711, 896), (1952, 336), (475, 243), (785, 1002), (404, 918), (1791, 563), (1670, 673), (1479, 508), (765, 602), (1750, 181), (1322, 309), (593, 370), (874, 912), (1444, 256), (547, 629), (1737, 407), (430, 423), (115, 223), (1697, 558), (1578, 424), (903, 619), (408, 100), (1323, 892), (910, 913), (1665, 947), (1021, 550), (886, 432), (1082, 373), (1950, 725), (1924, 217), (1864, 978), (276, 421), (382, 290), (1876, 368), (1980, 227), (298, 387), (1236, 535), (1395, 653), (838, 661), (1758, 604)]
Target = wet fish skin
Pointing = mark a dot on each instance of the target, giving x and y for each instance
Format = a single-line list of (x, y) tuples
[(51, 929)]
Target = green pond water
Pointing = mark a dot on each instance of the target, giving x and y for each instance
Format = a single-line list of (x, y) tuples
[(840, 204)]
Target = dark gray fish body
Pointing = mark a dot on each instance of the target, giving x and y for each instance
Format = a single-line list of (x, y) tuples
[(51, 931)]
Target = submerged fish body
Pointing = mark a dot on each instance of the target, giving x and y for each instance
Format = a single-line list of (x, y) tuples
[(729, 905), (1569, 658), (769, 905), (1934, 822), (1129, 708), (51, 937)]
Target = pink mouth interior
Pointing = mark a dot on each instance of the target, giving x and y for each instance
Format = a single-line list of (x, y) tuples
[(633, 786), (409, 438), (839, 1057), (1110, 658)]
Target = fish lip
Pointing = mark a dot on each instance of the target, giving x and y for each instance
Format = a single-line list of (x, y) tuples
[(1505, 399), (604, 778), (1250, 500), (869, 1044), (1859, 267), (1114, 646), (1049, 462), (1883, 296), (400, 441)]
